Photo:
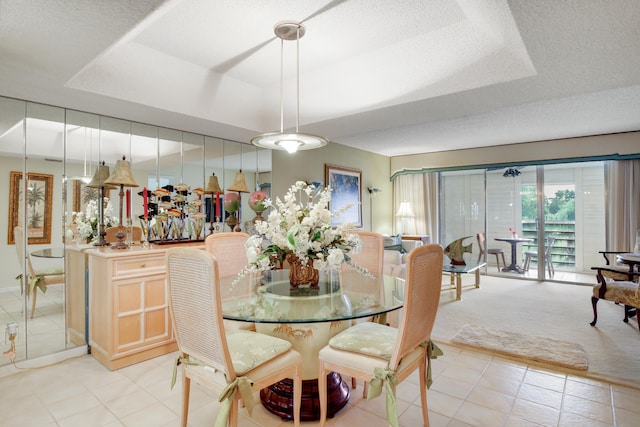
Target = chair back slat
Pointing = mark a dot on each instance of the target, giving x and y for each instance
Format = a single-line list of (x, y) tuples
[(229, 250), (422, 296), (196, 312)]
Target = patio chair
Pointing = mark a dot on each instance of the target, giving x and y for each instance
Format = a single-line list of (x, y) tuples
[(528, 255), (206, 347), (482, 244)]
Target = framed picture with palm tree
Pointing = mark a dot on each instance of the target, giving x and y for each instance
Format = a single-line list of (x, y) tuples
[(82, 195), (39, 191)]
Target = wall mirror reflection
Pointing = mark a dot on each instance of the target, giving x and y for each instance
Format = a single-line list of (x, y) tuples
[(40, 141)]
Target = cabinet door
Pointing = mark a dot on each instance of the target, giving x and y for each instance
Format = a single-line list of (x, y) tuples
[(141, 313)]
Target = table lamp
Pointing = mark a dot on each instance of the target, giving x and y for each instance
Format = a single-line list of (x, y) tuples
[(240, 186), (99, 181), (405, 213), (121, 176), (213, 187)]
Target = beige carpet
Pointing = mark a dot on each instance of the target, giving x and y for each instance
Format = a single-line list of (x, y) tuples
[(552, 310), (513, 344)]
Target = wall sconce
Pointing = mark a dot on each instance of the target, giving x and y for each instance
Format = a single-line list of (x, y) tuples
[(373, 191)]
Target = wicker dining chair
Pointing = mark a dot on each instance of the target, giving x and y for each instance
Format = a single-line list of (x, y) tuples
[(370, 257), (373, 352), (207, 347), (35, 278), (229, 250)]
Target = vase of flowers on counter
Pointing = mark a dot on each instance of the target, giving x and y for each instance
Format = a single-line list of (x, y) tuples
[(87, 222)]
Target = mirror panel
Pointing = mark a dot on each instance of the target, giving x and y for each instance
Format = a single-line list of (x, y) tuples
[(41, 214), (68, 146)]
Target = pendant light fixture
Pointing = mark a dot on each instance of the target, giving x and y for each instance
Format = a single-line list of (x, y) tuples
[(292, 142)]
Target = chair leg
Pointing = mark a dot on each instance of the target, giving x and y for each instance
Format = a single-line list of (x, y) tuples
[(33, 301), (594, 302), (186, 388), (504, 262), (527, 261), (626, 313), (497, 262), (353, 382), (423, 392)]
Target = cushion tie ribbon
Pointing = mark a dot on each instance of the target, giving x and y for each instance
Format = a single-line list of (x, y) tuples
[(388, 377), (242, 384), (433, 351), (38, 281)]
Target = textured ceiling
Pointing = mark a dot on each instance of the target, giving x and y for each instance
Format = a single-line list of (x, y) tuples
[(394, 78)]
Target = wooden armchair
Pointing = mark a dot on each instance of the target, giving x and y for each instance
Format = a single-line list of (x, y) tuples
[(618, 284)]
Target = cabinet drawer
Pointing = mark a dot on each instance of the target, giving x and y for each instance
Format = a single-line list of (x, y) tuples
[(136, 266)]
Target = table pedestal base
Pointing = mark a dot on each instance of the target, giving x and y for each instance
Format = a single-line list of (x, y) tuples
[(278, 398)]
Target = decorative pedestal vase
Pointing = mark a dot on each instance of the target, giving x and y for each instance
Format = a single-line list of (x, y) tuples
[(302, 274)]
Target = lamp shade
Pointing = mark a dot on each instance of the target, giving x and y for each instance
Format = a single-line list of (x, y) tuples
[(122, 174), (239, 184), (405, 210), (213, 186), (100, 177)]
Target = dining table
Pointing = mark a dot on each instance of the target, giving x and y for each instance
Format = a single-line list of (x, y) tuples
[(308, 317), (514, 257), (57, 252)]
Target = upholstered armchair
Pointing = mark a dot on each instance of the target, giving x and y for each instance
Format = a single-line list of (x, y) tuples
[(619, 284)]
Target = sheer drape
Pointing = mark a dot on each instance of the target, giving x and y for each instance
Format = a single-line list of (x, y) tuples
[(623, 203), (421, 191)]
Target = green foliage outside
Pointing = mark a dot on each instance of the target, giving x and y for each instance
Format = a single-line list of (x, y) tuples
[(562, 207)]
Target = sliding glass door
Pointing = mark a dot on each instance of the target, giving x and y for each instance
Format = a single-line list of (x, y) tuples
[(563, 202)]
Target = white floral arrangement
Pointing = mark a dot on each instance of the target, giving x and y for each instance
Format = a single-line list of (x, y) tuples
[(301, 225), (87, 221)]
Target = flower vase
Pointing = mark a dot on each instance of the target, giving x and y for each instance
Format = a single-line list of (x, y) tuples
[(302, 274)]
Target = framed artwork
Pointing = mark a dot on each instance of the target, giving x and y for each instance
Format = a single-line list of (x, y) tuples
[(83, 194), (346, 188), (39, 197)]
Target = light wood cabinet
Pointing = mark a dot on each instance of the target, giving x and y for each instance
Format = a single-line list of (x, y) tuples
[(128, 306)]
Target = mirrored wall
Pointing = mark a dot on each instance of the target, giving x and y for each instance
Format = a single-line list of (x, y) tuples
[(50, 154)]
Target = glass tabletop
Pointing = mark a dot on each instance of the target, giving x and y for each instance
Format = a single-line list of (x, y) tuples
[(469, 267), (49, 253), (269, 298)]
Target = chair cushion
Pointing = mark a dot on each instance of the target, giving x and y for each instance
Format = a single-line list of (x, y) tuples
[(620, 292), (250, 349), (369, 338), (49, 271)]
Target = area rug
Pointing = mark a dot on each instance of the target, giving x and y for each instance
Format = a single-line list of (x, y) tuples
[(513, 344)]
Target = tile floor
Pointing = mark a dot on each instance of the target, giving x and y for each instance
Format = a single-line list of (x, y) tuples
[(470, 389)]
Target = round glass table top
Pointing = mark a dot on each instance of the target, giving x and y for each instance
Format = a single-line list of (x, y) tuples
[(269, 298)]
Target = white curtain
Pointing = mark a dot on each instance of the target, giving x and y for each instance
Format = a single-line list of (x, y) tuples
[(623, 204), (421, 191)]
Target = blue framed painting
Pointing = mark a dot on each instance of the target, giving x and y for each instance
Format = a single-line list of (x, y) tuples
[(346, 189)]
